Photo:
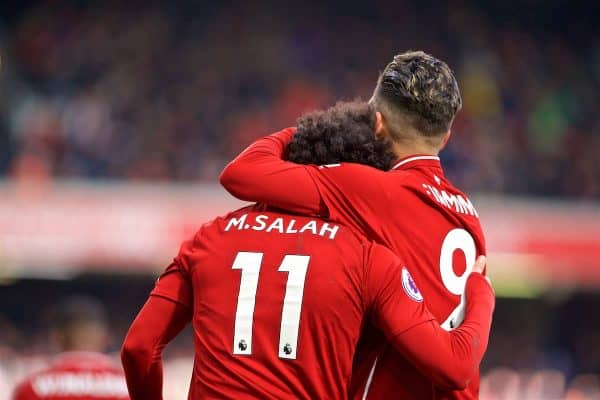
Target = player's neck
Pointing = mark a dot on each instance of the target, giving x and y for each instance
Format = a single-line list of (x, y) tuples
[(404, 150)]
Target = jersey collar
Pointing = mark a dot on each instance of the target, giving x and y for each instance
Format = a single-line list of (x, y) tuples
[(416, 161)]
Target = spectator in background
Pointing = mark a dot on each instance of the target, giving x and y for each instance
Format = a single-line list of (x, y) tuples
[(94, 90), (80, 372)]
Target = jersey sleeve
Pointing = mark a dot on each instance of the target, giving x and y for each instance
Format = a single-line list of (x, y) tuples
[(260, 174), (451, 359), (392, 298), (174, 283), (157, 323)]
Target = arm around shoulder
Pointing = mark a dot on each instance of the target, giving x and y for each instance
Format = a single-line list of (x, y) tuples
[(259, 174), (451, 359)]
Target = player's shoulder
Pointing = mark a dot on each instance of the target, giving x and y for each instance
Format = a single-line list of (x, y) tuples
[(435, 189), (379, 261), (447, 195), (234, 214), (377, 255), (24, 390), (28, 380), (408, 178), (217, 224), (385, 266)]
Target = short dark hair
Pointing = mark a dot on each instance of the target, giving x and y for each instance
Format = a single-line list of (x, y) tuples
[(421, 90), (342, 133)]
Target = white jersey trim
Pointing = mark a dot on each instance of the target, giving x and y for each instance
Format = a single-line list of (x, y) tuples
[(410, 159), (369, 380)]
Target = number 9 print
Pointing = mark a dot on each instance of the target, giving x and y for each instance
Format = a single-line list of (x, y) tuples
[(456, 239)]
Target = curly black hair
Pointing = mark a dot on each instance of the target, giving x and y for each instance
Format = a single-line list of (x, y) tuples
[(342, 133)]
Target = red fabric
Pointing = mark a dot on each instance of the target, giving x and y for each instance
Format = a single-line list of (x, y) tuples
[(75, 376), (241, 177), (451, 359), (347, 278), (158, 322), (412, 210)]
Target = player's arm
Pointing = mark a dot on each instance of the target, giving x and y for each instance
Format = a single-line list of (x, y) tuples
[(167, 311), (260, 174), (452, 358), (342, 193), (449, 359)]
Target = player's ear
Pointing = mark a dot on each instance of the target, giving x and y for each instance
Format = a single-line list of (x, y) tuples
[(446, 138), (380, 129)]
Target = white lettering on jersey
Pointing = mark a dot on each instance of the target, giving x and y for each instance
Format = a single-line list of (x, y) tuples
[(331, 229), (237, 222), (79, 384), (310, 225), (262, 223), (454, 202), (279, 225), (290, 227)]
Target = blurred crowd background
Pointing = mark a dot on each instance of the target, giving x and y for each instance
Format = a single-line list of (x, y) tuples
[(171, 91)]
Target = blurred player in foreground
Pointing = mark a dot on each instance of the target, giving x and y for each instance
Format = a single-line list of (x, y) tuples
[(413, 209), (81, 371), (278, 301)]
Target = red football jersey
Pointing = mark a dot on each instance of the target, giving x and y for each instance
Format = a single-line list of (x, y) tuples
[(412, 209), (279, 301), (76, 376)]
